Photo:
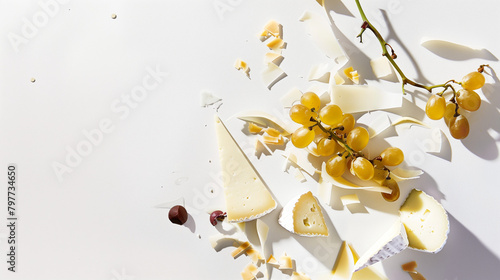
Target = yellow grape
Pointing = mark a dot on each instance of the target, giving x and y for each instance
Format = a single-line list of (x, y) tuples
[(449, 112), (331, 114), (347, 122), (363, 168), (468, 99), (392, 156), (393, 185), (336, 166), (435, 107), (327, 147), (473, 81), (302, 137), (301, 115), (459, 127), (310, 100), (358, 138), (380, 174), (319, 133)]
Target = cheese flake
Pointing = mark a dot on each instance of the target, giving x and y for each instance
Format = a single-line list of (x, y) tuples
[(381, 67), (344, 264), (266, 120), (320, 73), (241, 249), (285, 262), (272, 74), (299, 276), (242, 66), (272, 57)]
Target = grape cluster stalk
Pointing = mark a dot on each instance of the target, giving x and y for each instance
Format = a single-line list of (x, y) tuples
[(437, 107), (328, 132)]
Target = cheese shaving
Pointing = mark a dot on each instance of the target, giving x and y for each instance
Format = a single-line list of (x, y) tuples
[(322, 35), (410, 120), (241, 249), (207, 98), (381, 67), (286, 262), (272, 74), (273, 261), (336, 79), (221, 241), (272, 57), (344, 264), (400, 174), (299, 176), (266, 120), (343, 183), (353, 98), (274, 28), (242, 66), (290, 97), (299, 157), (349, 199), (320, 73)]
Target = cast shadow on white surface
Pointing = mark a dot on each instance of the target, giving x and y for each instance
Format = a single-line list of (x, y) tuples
[(457, 52), (338, 7), (190, 223), (463, 257)]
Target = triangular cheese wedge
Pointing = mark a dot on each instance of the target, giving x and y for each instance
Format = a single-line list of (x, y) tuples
[(247, 196), (303, 216)]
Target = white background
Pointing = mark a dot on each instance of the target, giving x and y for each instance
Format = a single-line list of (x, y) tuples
[(98, 220)]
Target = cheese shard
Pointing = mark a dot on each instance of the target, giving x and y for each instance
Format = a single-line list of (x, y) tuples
[(425, 221), (276, 44), (286, 262), (267, 120), (381, 67), (208, 98), (272, 74), (344, 264), (250, 272), (247, 196), (320, 73), (354, 98), (241, 249), (242, 66), (273, 261), (389, 244), (272, 57), (352, 75), (303, 216)]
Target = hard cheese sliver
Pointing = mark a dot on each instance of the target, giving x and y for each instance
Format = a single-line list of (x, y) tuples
[(247, 196)]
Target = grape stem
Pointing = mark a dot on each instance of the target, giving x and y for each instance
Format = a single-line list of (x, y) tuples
[(391, 56), (337, 138)]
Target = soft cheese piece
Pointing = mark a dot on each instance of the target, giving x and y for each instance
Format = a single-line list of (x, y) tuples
[(426, 222), (303, 216), (247, 196)]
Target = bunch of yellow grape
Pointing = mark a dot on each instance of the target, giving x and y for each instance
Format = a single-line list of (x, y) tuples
[(465, 98), (334, 134)]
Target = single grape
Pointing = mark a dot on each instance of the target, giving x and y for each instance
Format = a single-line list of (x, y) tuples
[(392, 156), (358, 138), (459, 127), (310, 100), (302, 137), (327, 147), (301, 115), (380, 174), (393, 185), (319, 133), (363, 168), (435, 107), (449, 112), (468, 99), (336, 166), (473, 81), (331, 114), (347, 122)]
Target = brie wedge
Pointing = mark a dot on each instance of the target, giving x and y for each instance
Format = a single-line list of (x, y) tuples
[(303, 216)]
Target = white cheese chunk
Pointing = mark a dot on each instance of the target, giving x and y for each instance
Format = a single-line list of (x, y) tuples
[(272, 74), (247, 196), (426, 222), (303, 216)]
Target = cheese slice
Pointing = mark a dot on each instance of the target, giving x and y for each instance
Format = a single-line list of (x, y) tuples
[(344, 264), (247, 197), (303, 216), (355, 98), (425, 221)]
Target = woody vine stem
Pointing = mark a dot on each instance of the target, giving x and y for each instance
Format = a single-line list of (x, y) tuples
[(392, 55)]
